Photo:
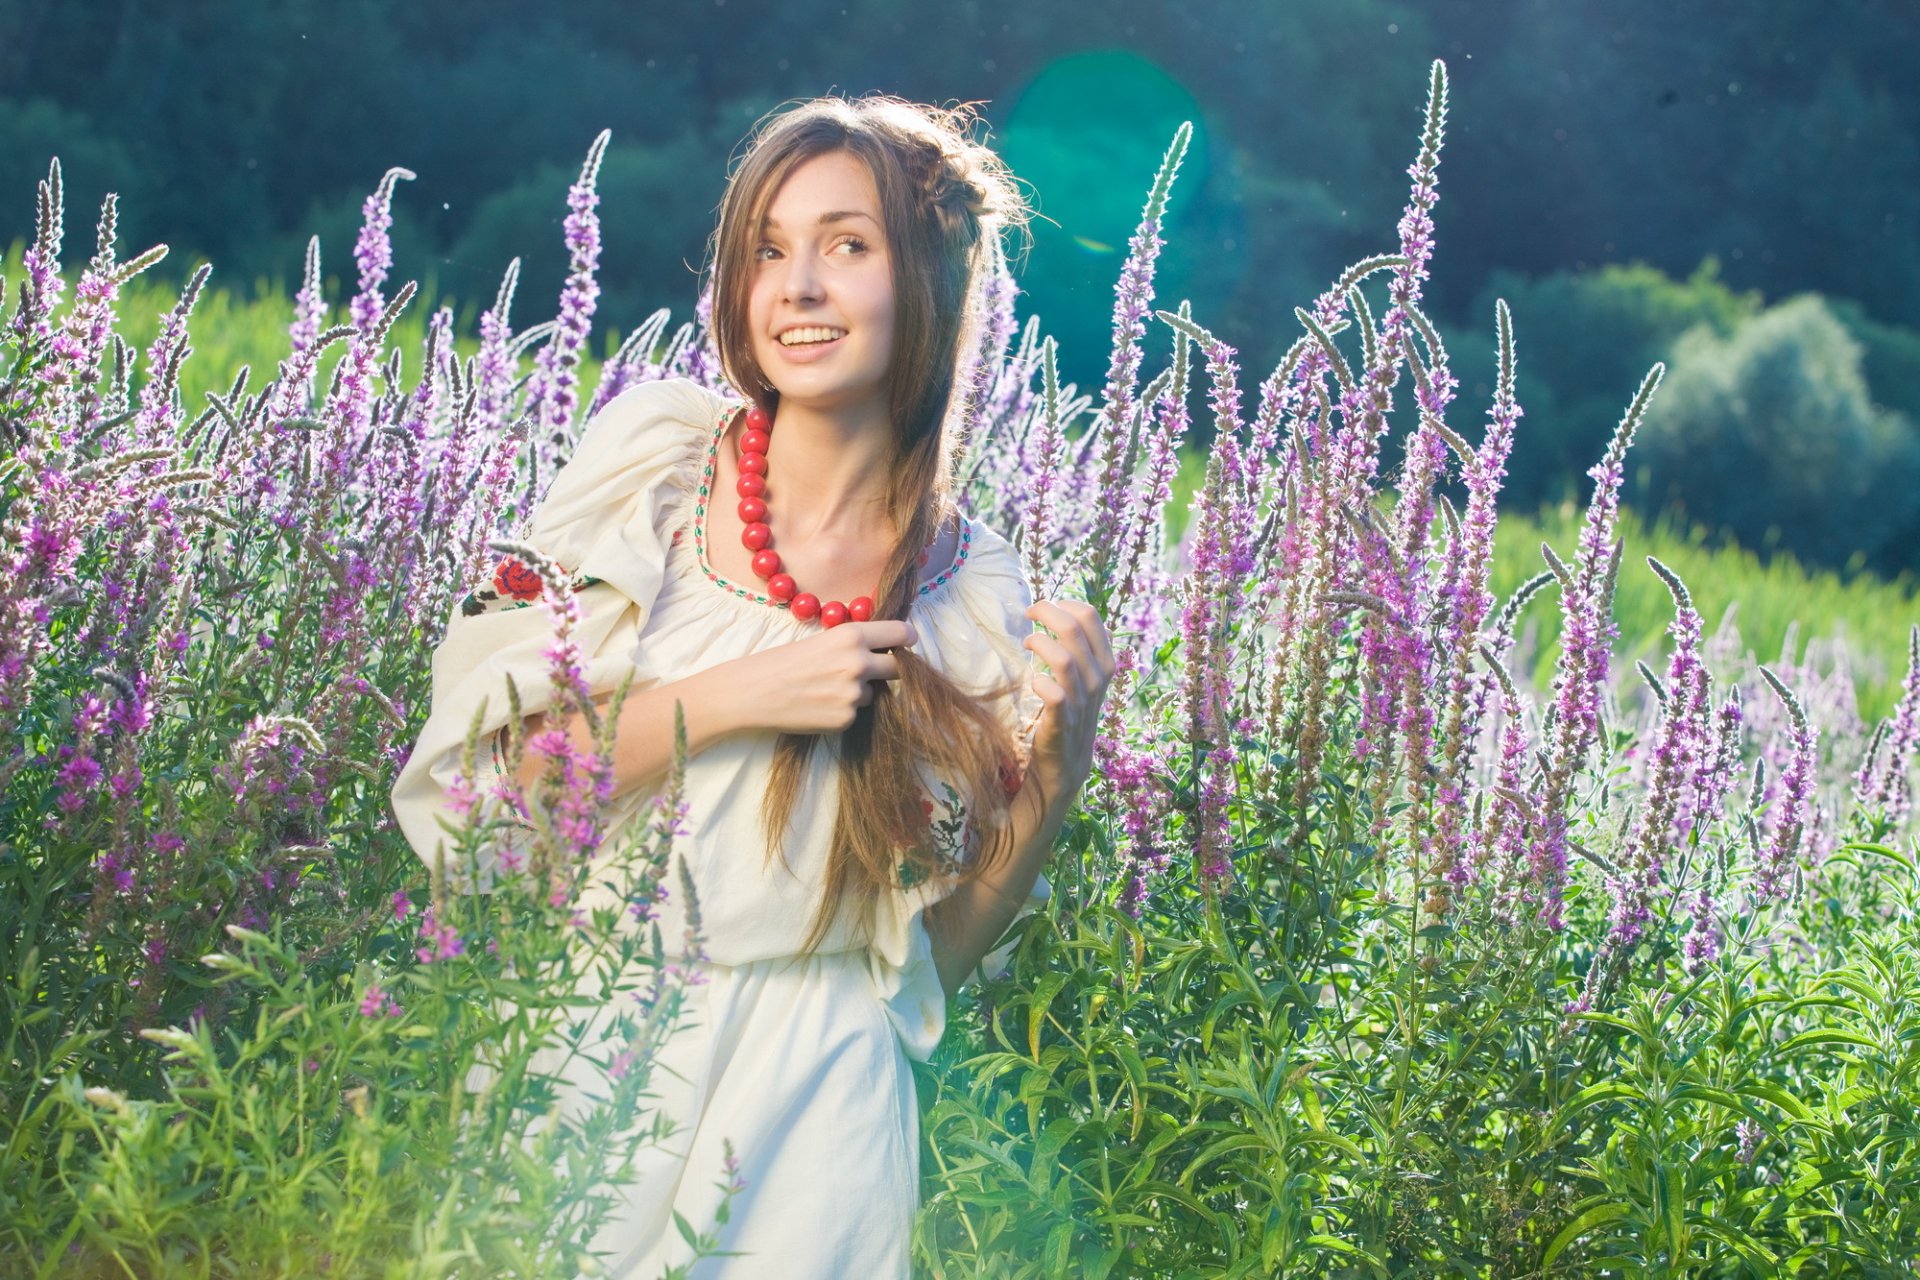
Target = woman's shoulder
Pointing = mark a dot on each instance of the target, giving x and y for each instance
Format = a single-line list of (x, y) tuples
[(650, 436), (984, 594), (661, 413), (988, 566), (606, 515)]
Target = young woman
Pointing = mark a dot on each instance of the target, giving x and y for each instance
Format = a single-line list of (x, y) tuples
[(876, 775)]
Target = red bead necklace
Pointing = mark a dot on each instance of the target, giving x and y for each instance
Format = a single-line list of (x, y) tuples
[(757, 537)]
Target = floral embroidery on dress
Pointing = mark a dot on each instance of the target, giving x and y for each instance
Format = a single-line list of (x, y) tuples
[(950, 833), (515, 586)]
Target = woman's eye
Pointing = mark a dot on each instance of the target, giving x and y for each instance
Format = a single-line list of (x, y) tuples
[(766, 252)]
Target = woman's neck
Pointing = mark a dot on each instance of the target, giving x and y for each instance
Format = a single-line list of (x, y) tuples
[(829, 471)]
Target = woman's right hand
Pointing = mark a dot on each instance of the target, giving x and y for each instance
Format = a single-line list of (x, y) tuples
[(819, 684)]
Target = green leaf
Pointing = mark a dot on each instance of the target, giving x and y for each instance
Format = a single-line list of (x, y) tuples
[(1230, 1143), (1610, 1020), (1345, 1146), (1779, 1097), (1750, 1250), (1825, 1038), (1059, 1247), (1351, 1250), (1239, 995), (1039, 1004), (1674, 1210), (1605, 1091), (1707, 1093), (1598, 1215)]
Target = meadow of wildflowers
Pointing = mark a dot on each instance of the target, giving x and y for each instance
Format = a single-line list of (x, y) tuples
[(1369, 954)]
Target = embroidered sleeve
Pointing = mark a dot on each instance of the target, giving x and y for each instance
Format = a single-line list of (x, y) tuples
[(605, 519), (514, 586)]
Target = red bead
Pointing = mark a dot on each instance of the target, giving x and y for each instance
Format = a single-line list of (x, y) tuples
[(756, 537), (755, 442), (750, 486), (757, 419), (860, 609), (805, 605), (753, 464), (752, 511), (767, 563), (781, 587), (832, 613)]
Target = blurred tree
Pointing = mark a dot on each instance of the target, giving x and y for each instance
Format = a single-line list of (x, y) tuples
[(1889, 357), (1770, 434), (1771, 136), (657, 207), (92, 163), (1584, 343), (1768, 137)]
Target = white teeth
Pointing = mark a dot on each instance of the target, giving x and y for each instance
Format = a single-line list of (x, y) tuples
[(795, 337)]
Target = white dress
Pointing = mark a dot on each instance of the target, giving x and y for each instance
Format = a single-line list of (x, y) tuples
[(801, 1063)]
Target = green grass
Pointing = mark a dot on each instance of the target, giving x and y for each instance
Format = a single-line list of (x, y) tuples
[(1872, 614)]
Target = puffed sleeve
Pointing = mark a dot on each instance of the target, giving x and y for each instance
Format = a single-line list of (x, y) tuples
[(605, 520), (977, 631)]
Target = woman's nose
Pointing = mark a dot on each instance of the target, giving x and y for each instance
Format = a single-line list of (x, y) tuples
[(802, 280)]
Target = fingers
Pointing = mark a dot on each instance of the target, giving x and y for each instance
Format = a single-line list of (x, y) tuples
[(1069, 670), (1049, 691), (888, 633), (1076, 625)]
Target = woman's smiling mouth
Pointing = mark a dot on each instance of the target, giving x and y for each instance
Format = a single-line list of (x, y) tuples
[(806, 343)]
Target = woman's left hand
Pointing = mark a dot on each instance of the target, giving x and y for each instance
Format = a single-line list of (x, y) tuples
[(1080, 656)]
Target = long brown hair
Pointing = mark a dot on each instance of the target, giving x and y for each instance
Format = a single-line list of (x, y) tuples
[(944, 201)]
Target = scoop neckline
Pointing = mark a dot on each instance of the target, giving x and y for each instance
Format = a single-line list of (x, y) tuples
[(705, 494)]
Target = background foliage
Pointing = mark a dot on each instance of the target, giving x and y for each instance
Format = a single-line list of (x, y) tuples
[(1744, 154)]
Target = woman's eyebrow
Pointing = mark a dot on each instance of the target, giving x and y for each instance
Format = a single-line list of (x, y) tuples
[(836, 215)]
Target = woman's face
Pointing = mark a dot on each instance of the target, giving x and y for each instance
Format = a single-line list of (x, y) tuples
[(822, 277)]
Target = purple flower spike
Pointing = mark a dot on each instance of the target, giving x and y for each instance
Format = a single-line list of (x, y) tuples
[(1132, 301), (1792, 808), (553, 390), (159, 415), (372, 253), (309, 305), (1586, 643), (1885, 780), (40, 293), (1679, 744)]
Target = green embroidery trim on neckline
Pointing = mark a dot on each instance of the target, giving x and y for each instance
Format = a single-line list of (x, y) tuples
[(700, 526)]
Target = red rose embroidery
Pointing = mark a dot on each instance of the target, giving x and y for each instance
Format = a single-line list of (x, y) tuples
[(516, 580), (926, 810)]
